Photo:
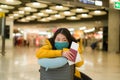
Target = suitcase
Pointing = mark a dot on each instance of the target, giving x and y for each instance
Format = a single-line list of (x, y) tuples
[(63, 73)]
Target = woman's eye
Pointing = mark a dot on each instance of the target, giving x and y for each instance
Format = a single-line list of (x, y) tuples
[(57, 39), (65, 40)]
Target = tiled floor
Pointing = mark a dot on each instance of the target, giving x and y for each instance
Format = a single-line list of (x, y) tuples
[(21, 64)]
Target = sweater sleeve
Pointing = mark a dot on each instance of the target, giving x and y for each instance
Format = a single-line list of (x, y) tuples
[(47, 52)]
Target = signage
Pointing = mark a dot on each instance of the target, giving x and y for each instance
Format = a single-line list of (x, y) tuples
[(117, 5)]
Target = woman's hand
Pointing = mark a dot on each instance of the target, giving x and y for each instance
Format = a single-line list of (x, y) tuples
[(69, 55)]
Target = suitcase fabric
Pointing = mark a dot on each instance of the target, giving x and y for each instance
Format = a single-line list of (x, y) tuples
[(63, 73)]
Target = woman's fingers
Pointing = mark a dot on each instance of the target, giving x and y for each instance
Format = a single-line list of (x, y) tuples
[(72, 57), (69, 55)]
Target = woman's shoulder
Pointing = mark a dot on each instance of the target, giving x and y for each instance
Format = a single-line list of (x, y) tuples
[(46, 44), (47, 41)]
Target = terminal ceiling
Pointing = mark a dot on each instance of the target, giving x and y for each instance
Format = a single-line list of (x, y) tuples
[(78, 11)]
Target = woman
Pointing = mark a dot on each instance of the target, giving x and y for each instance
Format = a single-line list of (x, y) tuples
[(58, 46)]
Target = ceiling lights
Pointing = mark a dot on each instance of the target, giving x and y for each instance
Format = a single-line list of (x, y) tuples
[(42, 11), (19, 12), (40, 14), (73, 18), (10, 2), (43, 1), (80, 10), (97, 12), (51, 18), (67, 13), (36, 5), (28, 9), (58, 16), (84, 15), (3, 10), (23, 20), (43, 20), (6, 7), (49, 11), (59, 8)]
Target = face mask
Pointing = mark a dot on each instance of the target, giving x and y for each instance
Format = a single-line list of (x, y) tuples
[(61, 45)]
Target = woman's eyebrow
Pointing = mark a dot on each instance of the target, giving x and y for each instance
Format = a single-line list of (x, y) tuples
[(64, 39)]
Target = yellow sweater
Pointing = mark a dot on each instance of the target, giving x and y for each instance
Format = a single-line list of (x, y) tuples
[(47, 52)]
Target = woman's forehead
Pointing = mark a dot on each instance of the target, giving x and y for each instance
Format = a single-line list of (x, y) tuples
[(60, 35)]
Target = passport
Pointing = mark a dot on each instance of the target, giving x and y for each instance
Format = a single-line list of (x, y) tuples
[(74, 49)]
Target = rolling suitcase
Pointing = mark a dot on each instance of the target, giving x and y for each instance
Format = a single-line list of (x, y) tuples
[(63, 73)]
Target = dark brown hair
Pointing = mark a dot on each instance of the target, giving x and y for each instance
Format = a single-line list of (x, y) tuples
[(66, 33)]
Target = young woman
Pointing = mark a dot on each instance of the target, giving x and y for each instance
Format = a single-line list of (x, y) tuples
[(59, 45)]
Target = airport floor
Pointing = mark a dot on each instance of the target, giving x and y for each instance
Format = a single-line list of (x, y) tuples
[(20, 63)]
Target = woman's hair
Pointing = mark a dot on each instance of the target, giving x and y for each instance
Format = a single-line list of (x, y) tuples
[(66, 33)]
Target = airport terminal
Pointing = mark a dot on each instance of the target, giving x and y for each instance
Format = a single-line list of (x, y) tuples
[(26, 24)]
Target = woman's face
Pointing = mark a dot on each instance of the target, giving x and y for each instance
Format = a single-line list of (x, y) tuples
[(61, 38)]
